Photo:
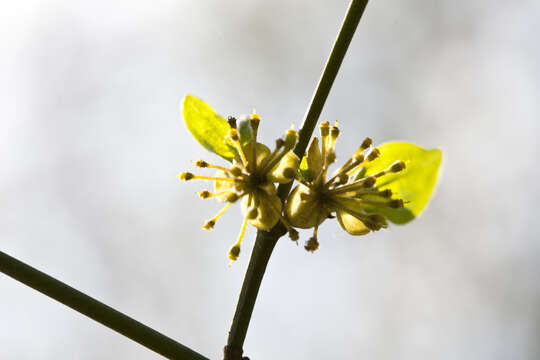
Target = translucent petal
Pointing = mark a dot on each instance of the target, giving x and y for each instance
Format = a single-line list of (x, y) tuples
[(223, 186), (351, 224), (314, 157)]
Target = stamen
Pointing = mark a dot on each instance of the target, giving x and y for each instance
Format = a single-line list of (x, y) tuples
[(394, 203), (235, 249), (210, 223), (313, 244), (204, 164), (394, 168), (325, 130), (233, 135), (387, 193), (373, 154), (366, 182), (276, 155), (334, 133), (374, 221), (290, 138), (186, 176)]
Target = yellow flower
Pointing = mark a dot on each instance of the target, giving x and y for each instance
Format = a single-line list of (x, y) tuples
[(354, 198), (250, 180)]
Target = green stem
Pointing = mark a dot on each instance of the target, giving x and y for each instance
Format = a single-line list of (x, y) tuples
[(96, 310), (266, 241)]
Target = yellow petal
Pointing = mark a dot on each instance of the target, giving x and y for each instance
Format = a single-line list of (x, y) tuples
[(351, 224)]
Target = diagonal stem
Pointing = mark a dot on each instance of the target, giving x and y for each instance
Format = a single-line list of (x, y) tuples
[(96, 310), (266, 241)]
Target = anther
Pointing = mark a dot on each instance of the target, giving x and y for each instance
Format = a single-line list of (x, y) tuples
[(201, 163), (342, 179), (396, 203), (334, 132), (232, 197), (290, 138), (325, 128), (377, 218), (255, 116), (254, 121), (209, 225), (186, 176), (312, 244), (289, 173), (373, 154), (234, 252), (330, 158), (232, 122), (369, 182), (293, 234), (279, 143), (236, 171), (252, 213), (397, 166), (387, 193), (366, 143), (205, 194)]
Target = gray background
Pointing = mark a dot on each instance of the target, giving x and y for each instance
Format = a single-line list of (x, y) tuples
[(91, 137)]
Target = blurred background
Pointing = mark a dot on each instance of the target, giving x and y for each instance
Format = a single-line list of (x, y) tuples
[(91, 138)]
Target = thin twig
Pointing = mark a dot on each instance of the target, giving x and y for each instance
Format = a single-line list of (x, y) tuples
[(96, 310), (265, 241)]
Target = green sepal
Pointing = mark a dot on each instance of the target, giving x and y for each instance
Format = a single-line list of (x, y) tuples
[(210, 129), (414, 185)]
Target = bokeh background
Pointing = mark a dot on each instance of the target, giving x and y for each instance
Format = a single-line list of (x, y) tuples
[(91, 137)]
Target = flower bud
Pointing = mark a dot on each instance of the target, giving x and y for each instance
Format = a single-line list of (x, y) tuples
[(303, 210)]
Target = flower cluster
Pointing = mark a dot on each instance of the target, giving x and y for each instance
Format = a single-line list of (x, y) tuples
[(353, 197), (391, 183), (251, 180)]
